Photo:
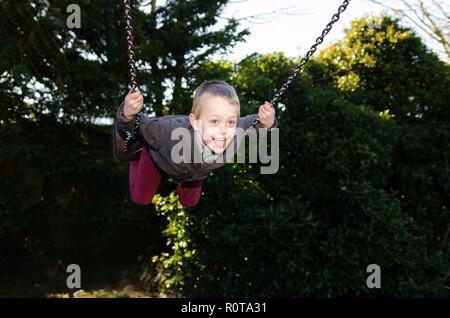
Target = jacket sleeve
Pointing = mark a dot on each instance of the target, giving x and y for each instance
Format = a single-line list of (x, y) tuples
[(253, 120), (152, 129)]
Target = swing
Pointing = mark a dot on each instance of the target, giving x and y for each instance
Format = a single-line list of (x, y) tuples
[(142, 169)]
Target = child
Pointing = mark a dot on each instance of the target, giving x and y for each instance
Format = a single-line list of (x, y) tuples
[(211, 126)]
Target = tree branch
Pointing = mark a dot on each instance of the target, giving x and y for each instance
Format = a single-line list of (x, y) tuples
[(423, 18)]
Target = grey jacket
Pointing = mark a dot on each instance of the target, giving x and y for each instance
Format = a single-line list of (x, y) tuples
[(156, 134)]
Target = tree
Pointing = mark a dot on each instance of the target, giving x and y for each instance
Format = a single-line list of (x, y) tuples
[(50, 69), (389, 68), (57, 169), (430, 17), (177, 39), (357, 185)]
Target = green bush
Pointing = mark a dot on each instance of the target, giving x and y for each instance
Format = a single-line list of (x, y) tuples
[(360, 182), (312, 235), (64, 200)]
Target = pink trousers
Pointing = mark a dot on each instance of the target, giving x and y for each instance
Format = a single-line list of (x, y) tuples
[(145, 177)]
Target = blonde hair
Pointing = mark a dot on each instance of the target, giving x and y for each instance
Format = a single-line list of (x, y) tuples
[(215, 88)]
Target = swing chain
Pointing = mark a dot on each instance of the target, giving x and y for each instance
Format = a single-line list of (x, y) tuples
[(277, 97), (131, 137), (132, 68), (129, 32), (311, 51)]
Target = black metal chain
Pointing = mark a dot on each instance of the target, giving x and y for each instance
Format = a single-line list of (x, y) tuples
[(311, 51), (132, 68), (276, 98), (129, 31), (131, 136)]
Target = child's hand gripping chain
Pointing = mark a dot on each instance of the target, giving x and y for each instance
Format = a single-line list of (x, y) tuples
[(133, 104), (207, 133), (266, 115)]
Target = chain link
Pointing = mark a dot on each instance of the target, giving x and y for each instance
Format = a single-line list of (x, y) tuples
[(132, 68), (311, 51), (277, 97), (129, 32), (132, 136)]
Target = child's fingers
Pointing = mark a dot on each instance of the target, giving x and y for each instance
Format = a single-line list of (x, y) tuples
[(130, 94), (263, 115), (136, 101), (271, 110), (268, 104), (265, 110), (135, 95)]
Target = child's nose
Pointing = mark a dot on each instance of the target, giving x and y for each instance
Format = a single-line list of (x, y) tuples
[(223, 129)]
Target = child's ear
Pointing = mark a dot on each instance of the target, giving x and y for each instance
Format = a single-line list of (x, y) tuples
[(193, 122)]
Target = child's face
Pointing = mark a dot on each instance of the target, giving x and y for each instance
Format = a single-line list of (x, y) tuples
[(218, 119)]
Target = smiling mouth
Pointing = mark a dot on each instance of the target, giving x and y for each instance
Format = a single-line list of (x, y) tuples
[(219, 142)]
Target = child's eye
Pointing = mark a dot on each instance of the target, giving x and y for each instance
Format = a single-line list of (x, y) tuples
[(231, 123), (213, 121)]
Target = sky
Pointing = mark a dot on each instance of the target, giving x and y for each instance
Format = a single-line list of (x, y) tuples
[(291, 26)]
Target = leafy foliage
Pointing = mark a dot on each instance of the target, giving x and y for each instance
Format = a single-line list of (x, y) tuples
[(363, 178), (49, 69), (63, 199), (358, 182)]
